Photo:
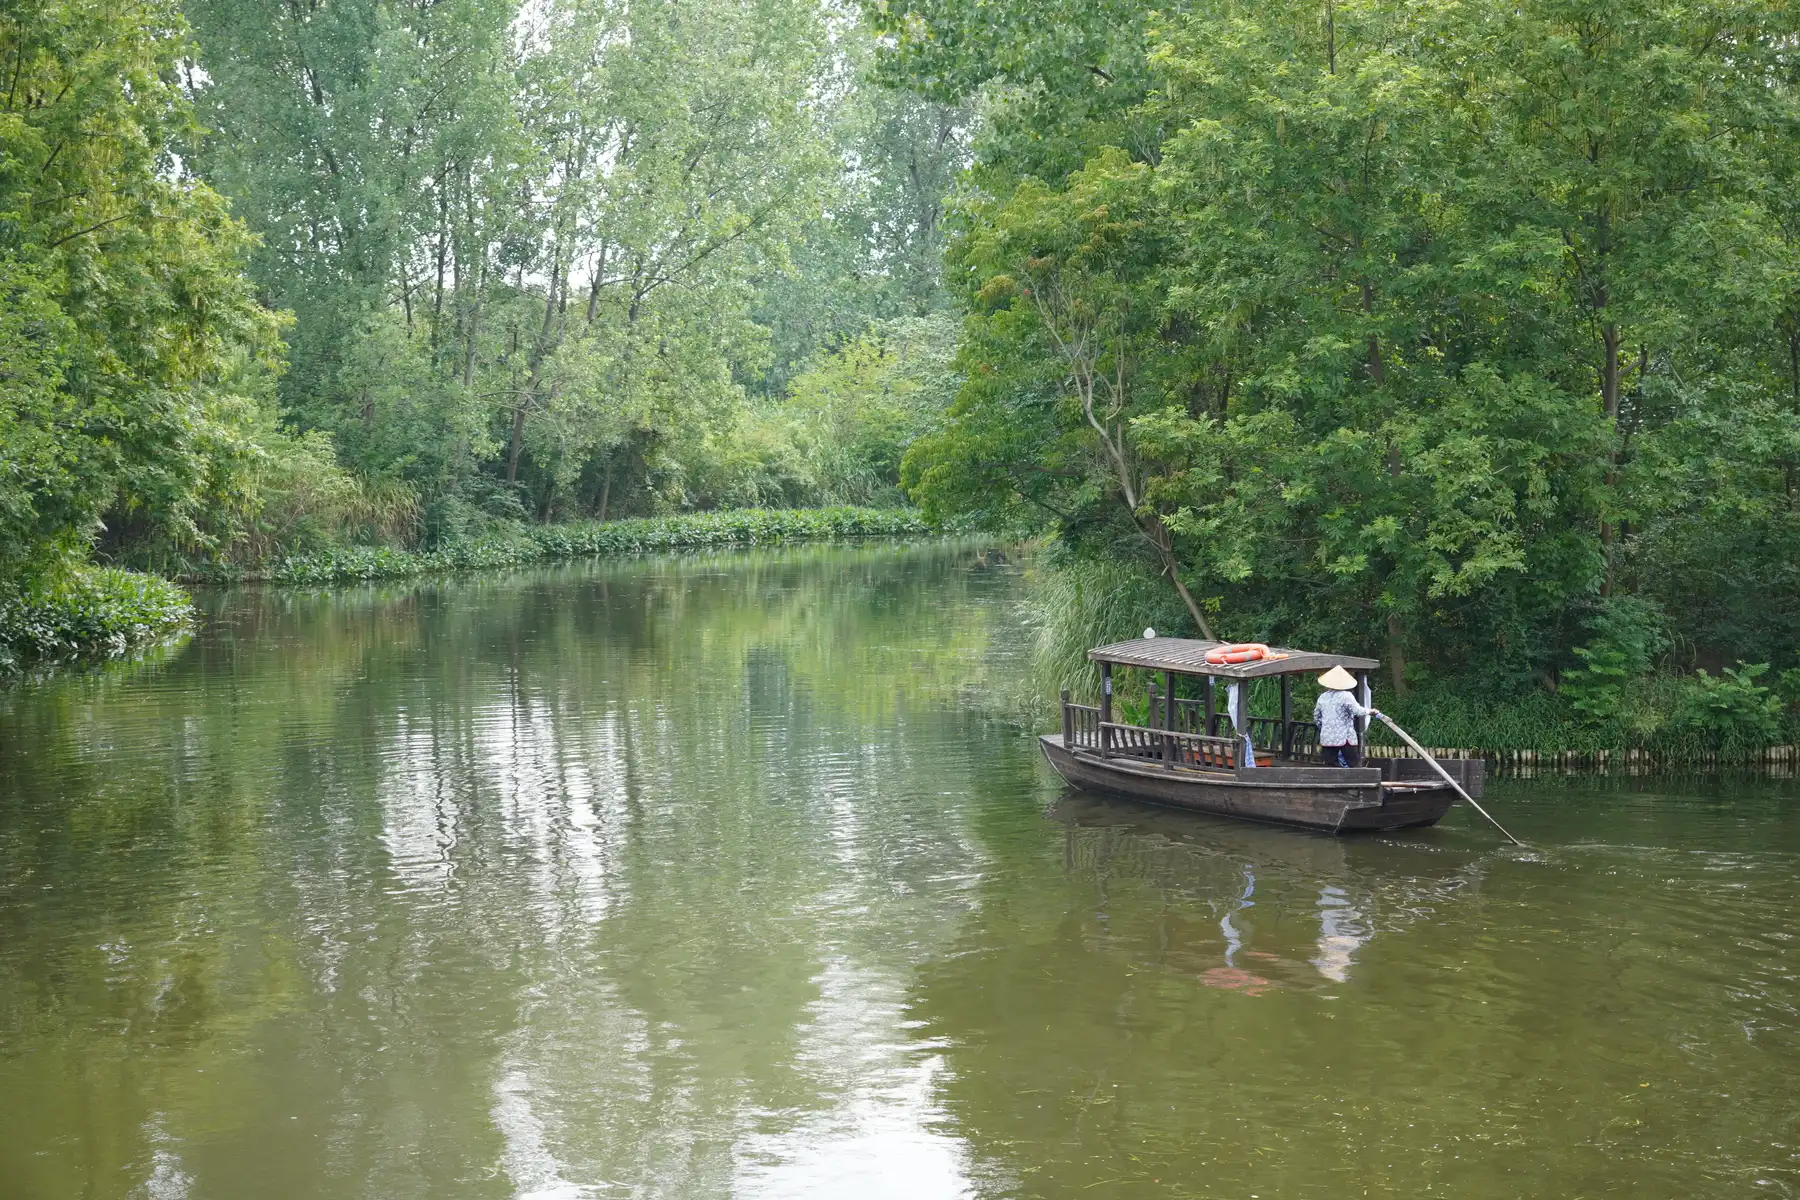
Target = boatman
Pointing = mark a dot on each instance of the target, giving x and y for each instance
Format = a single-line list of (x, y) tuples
[(1336, 714)]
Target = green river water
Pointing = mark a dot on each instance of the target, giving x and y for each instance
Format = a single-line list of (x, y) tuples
[(721, 876)]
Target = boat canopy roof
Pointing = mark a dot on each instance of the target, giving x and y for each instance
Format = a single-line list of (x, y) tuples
[(1187, 656)]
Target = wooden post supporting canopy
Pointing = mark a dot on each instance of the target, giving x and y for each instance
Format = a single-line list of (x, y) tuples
[(1212, 716), (1105, 708), (1168, 741), (1287, 716), (1364, 698)]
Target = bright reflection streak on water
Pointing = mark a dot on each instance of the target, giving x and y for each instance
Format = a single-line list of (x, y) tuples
[(711, 876)]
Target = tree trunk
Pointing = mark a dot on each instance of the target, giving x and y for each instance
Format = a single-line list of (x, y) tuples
[(1610, 338), (1794, 359), (468, 370), (1187, 599), (516, 443), (1377, 368), (1111, 431), (1396, 654), (443, 250), (1609, 397), (593, 304), (1159, 538)]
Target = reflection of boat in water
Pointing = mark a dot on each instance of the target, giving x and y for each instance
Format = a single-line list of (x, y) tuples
[(1264, 771), (1124, 822), (1346, 891)]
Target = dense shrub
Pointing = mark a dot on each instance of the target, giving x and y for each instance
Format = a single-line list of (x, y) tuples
[(93, 610), (838, 434), (1731, 708), (1676, 716)]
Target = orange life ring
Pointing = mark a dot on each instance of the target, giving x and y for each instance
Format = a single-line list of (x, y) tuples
[(1236, 652)]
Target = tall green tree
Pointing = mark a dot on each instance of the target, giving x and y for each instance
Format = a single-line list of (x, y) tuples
[(875, 250), (129, 335), (376, 150), (1421, 318), (528, 249), (675, 160)]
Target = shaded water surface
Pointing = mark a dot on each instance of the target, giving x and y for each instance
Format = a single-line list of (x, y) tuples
[(715, 876)]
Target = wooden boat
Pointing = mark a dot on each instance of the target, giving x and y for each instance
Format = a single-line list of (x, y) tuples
[(1182, 758)]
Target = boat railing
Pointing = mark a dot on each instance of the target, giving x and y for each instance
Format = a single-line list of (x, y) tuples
[(1170, 747), (1266, 734), (1186, 744), (1081, 726), (1190, 716)]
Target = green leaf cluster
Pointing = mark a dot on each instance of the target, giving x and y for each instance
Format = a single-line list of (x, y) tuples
[(1732, 707), (131, 342), (1424, 330), (85, 612)]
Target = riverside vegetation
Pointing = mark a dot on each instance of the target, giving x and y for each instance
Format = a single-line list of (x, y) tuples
[(1462, 333), (525, 545), (1465, 334), (354, 288)]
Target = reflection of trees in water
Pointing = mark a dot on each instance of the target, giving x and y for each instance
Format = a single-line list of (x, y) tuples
[(592, 872)]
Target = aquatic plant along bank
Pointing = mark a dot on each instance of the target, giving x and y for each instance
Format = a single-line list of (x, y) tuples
[(88, 612), (528, 544)]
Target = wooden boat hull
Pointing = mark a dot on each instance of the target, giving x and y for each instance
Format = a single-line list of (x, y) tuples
[(1313, 798)]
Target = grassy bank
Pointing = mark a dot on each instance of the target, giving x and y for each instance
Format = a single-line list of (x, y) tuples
[(525, 545), (88, 612)]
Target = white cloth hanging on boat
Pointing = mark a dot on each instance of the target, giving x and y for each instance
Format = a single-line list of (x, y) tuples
[(1235, 700)]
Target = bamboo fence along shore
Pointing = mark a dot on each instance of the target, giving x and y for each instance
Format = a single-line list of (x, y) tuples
[(1779, 761)]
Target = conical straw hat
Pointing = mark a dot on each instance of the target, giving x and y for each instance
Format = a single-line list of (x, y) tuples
[(1338, 680)]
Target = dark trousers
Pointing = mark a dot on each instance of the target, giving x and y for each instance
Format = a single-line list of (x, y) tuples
[(1341, 756)]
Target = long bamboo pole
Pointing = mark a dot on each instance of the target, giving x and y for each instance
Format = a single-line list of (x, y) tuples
[(1448, 778)]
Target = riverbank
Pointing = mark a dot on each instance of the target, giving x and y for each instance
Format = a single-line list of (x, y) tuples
[(104, 612), (1782, 762), (1743, 716), (531, 544)]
